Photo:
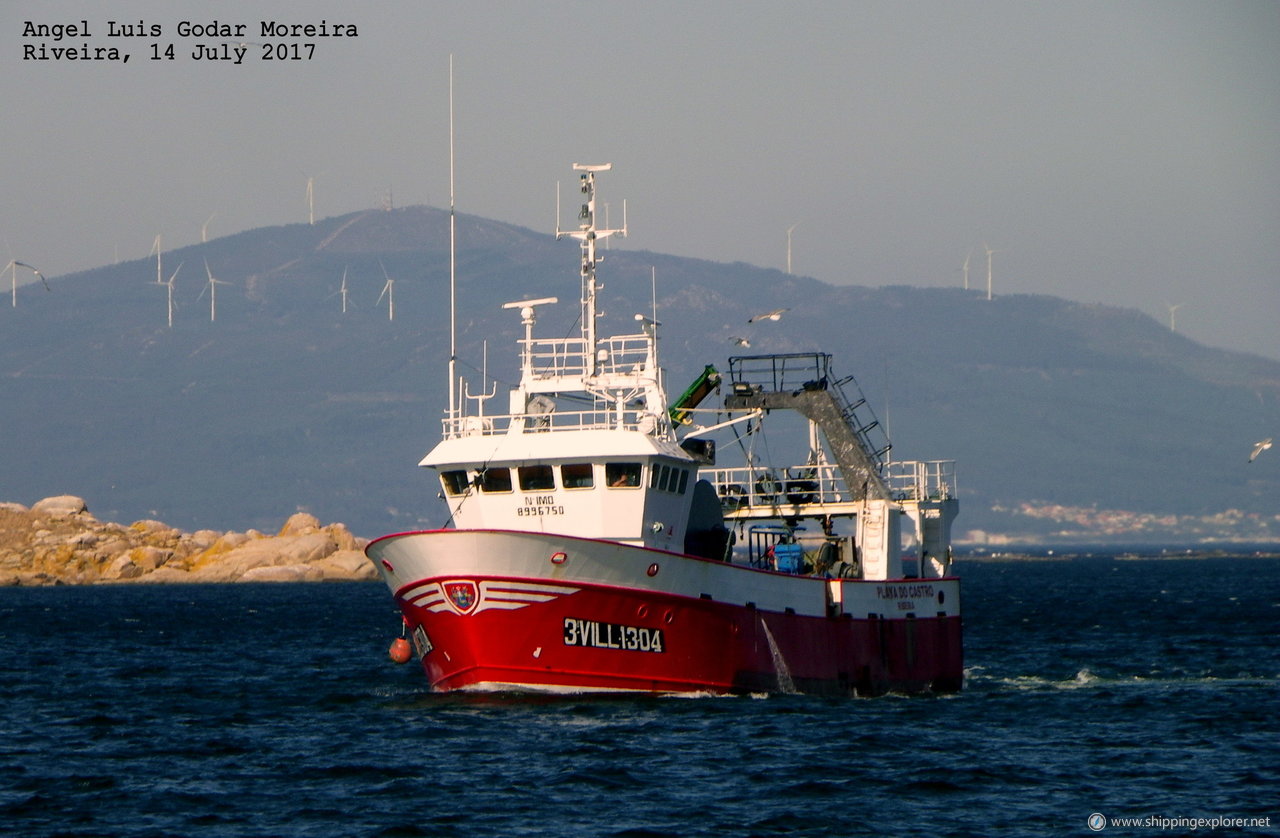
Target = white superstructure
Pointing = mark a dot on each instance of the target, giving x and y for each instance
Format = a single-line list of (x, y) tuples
[(606, 466)]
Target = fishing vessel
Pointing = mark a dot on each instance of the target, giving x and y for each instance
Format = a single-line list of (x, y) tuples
[(602, 537)]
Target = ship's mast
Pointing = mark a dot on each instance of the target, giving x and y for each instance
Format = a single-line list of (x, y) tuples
[(454, 407), (587, 235)]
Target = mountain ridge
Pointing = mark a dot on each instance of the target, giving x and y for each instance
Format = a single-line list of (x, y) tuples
[(284, 403)]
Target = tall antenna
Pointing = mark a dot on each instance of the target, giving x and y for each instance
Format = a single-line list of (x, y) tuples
[(453, 264), (1173, 315), (653, 296), (989, 252), (588, 234), (789, 231), (653, 289)]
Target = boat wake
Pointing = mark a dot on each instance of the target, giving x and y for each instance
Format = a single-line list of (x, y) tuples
[(786, 684), (1085, 679)]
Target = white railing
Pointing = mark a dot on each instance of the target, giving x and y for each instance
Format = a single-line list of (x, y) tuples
[(551, 358), (921, 479), (741, 488), (555, 357), (560, 365), (576, 420)]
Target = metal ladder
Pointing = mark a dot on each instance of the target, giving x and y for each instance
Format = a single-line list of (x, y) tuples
[(803, 382)]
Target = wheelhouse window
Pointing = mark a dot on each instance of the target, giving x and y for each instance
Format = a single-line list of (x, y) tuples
[(495, 480), (455, 482), (666, 478), (536, 478), (622, 475), (577, 476)]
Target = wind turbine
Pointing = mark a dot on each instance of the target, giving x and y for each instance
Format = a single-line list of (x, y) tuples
[(311, 197), (204, 229), (342, 290), (155, 248), (169, 284), (1173, 315), (212, 288), (388, 291), (989, 252), (12, 267), (967, 256), (789, 231)]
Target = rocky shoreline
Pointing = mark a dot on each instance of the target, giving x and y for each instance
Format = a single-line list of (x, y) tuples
[(58, 542)]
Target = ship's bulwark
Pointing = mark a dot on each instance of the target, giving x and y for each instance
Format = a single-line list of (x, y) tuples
[(510, 610)]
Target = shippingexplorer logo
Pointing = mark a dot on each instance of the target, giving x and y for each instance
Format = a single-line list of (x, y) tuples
[(1098, 822)]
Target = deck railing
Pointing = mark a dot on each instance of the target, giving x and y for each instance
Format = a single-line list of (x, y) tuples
[(740, 488), (922, 479), (571, 420)]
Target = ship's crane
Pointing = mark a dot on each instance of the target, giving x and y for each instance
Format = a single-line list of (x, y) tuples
[(705, 384)]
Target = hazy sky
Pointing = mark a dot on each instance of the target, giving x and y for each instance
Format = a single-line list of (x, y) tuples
[(1125, 153)]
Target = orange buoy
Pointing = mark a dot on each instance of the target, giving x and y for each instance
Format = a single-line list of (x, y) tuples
[(400, 651)]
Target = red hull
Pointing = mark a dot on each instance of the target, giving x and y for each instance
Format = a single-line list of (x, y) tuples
[(558, 632)]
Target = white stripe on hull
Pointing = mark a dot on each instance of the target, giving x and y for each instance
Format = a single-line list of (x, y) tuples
[(418, 567)]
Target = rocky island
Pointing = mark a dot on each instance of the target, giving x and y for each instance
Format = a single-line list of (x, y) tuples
[(58, 542)]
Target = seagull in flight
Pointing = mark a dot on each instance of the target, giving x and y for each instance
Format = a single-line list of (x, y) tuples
[(34, 271), (1259, 447), (776, 314), (740, 341)]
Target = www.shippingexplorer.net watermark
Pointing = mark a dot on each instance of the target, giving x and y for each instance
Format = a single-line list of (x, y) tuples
[(1098, 822)]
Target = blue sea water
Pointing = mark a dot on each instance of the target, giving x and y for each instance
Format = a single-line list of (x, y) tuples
[(1133, 689)]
